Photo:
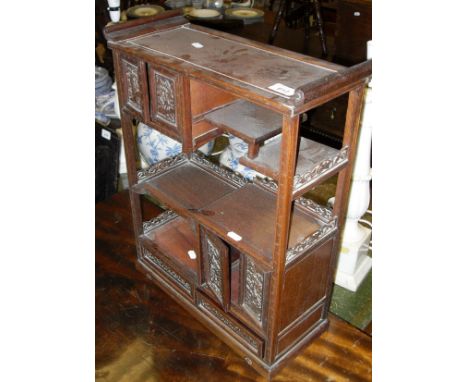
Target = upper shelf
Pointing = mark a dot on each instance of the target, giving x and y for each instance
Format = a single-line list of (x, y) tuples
[(282, 80), (315, 162)]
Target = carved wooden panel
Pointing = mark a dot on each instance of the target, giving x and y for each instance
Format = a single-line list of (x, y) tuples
[(164, 98), (242, 334), (254, 289), (215, 262), (133, 88), (165, 269)]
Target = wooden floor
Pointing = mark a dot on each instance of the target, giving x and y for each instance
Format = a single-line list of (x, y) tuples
[(142, 335)]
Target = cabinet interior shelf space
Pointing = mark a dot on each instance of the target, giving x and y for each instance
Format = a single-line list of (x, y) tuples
[(169, 233), (242, 213), (315, 162)]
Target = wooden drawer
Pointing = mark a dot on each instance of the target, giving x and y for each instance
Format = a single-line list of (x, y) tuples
[(161, 266), (236, 330), (165, 93), (133, 85)]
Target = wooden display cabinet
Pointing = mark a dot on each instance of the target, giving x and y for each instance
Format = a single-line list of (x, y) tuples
[(253, 261)]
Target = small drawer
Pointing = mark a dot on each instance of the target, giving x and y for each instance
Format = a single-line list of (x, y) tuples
[(241, 334), (133, 85), (165, 93), (156, 262)]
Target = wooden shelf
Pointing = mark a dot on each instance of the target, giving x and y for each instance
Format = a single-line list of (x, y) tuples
[(315, 162), (187, 183), (252, 123), (172, 237), (248, 213)]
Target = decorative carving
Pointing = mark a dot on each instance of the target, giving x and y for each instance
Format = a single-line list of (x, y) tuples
[(215, 278), (133, 84), (165, 99), (173, 275), (159, 220), (218, 170), (311, 240), (242, 333), (253, 294), (320, 169), (162, 166), (267, 183), (317, 209)]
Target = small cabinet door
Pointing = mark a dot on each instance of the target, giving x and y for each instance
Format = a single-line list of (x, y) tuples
[(165, 100), (250, 304), (215, 268), (133, 82)]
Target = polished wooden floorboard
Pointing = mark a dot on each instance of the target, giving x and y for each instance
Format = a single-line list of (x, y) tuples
[(142, 335)]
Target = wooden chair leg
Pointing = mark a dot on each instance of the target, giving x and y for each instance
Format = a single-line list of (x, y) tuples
[(306, 29), (279, 15), (318, 17)]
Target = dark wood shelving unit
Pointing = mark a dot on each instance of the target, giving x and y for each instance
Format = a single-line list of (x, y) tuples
[(253, 261)]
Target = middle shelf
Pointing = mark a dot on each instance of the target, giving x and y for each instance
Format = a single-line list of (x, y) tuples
[(241, 213)]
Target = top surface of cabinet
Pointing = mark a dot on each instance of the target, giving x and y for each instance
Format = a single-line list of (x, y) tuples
[(239, 61), (276, 78)]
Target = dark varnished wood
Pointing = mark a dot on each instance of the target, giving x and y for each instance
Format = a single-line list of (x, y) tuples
[(254, 244), (141, 335)]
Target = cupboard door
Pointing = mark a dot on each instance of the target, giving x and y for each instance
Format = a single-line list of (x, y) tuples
[(164, 100), (215, 264), (251, 304), (133, 84)]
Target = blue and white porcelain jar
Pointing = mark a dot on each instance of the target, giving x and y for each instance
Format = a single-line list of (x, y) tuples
[(230, 158), (155, 146)]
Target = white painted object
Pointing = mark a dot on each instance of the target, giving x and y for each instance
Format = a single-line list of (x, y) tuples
[(354, 263), (114, 14)]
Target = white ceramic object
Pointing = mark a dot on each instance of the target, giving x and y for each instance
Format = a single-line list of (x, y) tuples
[(230, 158), (354, 263), (155, 146), (114, 14)]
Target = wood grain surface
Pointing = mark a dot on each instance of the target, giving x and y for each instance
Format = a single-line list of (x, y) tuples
[(143, 335)]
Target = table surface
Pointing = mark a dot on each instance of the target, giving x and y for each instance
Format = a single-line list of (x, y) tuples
[(143, 335)]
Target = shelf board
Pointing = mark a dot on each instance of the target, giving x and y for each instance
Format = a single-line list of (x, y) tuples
[(315, 162), (188, 183), (249, 212), (252, 123), (172, 237)]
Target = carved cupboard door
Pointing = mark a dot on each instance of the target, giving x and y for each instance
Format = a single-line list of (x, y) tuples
[(165, 96), (215, 264), (133, 84), (251, 305)]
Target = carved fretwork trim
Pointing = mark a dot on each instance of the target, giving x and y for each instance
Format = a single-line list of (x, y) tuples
[(324, 212), (161, 166), (214, 269), (218, 170), (267, 183), (159, 220), (311, 240), (173, 275), (250, 340), (253, 295), (321, 168), (165, 99)]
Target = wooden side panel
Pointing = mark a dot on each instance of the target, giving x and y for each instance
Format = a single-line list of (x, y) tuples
[(305, 284), (205, 97)]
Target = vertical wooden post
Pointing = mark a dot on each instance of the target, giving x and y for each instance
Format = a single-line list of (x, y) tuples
[(340, 207), (289, 143), (130, 152)]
